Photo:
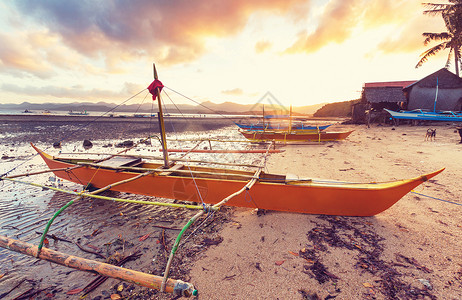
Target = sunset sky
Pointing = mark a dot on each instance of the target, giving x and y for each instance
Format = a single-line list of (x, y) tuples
[(302, 52)]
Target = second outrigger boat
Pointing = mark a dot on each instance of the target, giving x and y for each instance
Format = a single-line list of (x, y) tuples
[(294, 136), (281, 126)]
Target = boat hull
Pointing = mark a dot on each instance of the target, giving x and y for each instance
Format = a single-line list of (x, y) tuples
[(334, 198), (296, 136), (260, 127), (425, 116)]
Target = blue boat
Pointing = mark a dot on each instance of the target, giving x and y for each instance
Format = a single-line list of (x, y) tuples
[(427, 115), (422, 115)]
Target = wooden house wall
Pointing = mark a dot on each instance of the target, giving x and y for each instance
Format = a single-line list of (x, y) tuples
[(424, 98)]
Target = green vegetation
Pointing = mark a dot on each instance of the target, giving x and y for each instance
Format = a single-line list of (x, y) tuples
[(338, 109), (452, 16)]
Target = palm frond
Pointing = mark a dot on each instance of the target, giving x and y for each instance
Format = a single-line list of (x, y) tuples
[(451, 39), (431, 36), (430, 52), (434, 9), (429, 5)]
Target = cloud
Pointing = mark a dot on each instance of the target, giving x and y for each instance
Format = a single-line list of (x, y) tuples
[(262, 46), (169, 32), (409, 38), (335, 25), (233, 92), (19, 58), (39, 53), (71, 92), (382, 12), (341, 18)]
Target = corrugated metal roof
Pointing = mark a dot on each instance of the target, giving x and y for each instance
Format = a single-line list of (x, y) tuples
[(400, 84), (444, 78)]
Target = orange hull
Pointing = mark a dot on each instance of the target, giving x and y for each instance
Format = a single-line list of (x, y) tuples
[(295, 136), (272, 192)]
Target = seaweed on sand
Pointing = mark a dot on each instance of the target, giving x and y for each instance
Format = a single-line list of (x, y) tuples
[(355, 234)]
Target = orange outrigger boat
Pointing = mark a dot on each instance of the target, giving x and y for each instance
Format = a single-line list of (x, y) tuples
[(272, 192), (294, 136)]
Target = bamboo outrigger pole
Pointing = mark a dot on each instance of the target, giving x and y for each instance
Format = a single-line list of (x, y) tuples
[(176, 287), (89, 195), (161, 122)]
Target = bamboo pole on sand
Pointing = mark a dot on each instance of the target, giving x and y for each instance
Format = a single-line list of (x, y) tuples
[(176, 287)]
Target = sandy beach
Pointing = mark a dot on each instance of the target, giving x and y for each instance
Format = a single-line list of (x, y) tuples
[(410, 251)]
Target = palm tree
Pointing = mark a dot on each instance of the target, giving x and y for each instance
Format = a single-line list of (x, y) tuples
[(452, 39)]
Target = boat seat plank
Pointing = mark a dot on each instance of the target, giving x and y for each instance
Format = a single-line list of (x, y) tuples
[(291, 177), (120, 161), (295, 179), (171, 169)]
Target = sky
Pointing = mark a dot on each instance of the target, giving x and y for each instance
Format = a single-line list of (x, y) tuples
[(301, 52)]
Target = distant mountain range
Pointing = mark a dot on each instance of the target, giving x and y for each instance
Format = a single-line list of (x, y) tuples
[(203, 108)]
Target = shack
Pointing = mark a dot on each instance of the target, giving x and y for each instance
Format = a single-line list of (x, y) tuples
[(424, 94), (379, 95)]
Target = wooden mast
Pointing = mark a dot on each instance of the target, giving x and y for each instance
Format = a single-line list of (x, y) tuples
[(161, 123), (263, 117), (290, 119)]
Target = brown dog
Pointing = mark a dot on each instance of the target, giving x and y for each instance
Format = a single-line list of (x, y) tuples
[(430, 135)]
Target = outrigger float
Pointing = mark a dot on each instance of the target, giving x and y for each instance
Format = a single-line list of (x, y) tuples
[(213, 187)]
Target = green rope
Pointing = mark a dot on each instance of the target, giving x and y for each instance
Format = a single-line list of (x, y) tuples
[(180, 235), (40, 246), (175, 247)]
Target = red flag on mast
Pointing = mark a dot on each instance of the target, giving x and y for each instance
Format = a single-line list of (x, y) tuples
[(152, 88)]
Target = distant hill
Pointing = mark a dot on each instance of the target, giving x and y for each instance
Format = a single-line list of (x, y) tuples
[(337, 109), (203, 108)]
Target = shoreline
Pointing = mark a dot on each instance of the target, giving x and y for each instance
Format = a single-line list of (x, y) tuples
[(88, 118), (131, 118)]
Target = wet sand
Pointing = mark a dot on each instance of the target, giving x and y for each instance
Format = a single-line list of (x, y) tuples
[(52, 128), (410, 251), (113, 230)]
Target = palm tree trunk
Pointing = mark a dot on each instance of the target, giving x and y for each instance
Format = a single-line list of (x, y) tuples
[(456, 58)]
